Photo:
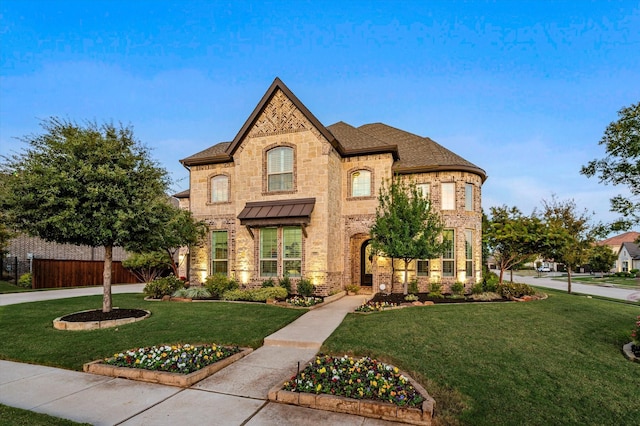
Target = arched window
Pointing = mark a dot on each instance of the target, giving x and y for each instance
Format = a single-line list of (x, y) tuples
[(280, 169), (361, 183), (220, 189)]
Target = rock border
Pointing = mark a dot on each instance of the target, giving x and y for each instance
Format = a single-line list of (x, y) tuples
[(58, 324), (628, 353), (163, 377), (422, 415)]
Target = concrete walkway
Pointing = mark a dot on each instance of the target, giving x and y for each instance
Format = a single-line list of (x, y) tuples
[(237, 395), (37, 296)]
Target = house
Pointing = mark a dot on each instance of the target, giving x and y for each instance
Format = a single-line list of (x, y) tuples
[(628, 257), (289, 195), (615, 244)]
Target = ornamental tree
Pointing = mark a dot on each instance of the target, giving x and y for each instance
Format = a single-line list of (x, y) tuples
[(406, 228), (88, 184), (512, 237), (621, 165), (569, 234), (601, 259)]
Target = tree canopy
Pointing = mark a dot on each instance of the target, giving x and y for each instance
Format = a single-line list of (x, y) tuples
[(406, 228), (602, 258), (512, 237), (569, 234), (85, 184), (621, 165)]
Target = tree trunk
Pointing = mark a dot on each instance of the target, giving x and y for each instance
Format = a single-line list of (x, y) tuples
[(405, 287), (569, 279), (511, 275), (174, 266), (106, 279), (501, 275)]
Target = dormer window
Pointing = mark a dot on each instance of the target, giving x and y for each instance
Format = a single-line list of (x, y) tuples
[(361, 183), (280, 169)]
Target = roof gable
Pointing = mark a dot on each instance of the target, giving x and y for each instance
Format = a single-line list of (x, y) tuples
[(631, 248), (267, 118)]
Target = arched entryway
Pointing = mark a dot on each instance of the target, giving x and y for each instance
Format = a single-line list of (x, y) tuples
[(366, 265)]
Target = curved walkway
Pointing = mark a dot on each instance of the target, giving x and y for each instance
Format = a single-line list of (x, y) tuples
[(237, 395)]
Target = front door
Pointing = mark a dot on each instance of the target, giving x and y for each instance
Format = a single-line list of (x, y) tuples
[(366, 265)]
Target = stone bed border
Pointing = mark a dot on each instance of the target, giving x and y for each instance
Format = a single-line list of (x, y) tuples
[(628, 353), (361, 407), (58, 324), (163, 377)]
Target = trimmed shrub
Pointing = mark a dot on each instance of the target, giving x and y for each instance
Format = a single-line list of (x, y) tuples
[(457, 288), (435, 290), (268, 283), (285, 282), (193, 292), (490, 282), (477, 289), (256, 294), (25, 280), (219, 284), (164, 286), (305, 288), (511, 290), (412, 286)]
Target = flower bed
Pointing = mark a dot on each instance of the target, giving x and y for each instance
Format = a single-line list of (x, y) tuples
[(361, 386), (177, 365), (373, 306), (303, 301)]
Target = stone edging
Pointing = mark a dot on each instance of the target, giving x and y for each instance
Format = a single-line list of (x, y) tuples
[(360, 407), (628, 353), (95, 325), (163, 377)]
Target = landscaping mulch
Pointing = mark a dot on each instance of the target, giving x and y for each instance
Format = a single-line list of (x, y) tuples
[(98, 315)]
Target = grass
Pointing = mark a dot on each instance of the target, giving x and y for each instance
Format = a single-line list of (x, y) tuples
[(556, 361), (27, 332), (19, 417), (7, 287), (612, 280)]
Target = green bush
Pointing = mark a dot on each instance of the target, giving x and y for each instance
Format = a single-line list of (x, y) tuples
[(256, 294), (457, 288), (25, 280), (634, 272), (490, 282), (285, 282), (477, 289), (511, 290), (412, 287), (219, 284), (193, 292), (268, 283), (305, 288), (411, 298), (435, 290), (164, 286)]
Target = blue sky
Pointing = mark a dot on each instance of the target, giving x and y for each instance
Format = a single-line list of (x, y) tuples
[(523, 89)]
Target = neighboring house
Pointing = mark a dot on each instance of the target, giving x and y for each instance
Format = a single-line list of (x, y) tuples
[(616, 242), (628, 257), (289, 195)]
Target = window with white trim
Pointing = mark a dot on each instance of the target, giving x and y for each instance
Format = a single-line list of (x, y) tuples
[(468, 252), (448, 196), (361, 183), (268, 252), (468, 197), (292, 251), (280, 169), (220, 189), (424, 189), (219, 252), (448, 258)]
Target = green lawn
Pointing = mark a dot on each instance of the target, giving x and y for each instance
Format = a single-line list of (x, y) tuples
[(610, 280), (27, 332), (556, 361), (7, 287), (18, 417)]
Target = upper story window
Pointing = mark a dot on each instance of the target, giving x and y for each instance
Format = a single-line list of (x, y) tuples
[(361, 183), (448, 196), (220, 189), (424, 189), (280, 169), (468, 197)]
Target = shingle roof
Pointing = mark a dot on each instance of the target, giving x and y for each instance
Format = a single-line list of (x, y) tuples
[(411, 153), (617, 240), (633, 249)]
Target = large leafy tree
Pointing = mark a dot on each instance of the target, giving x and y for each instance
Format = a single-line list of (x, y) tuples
[(512, 237), (175, 228), (602, 258), (569, 234), (621, 166), (406, 228), (85, 184)]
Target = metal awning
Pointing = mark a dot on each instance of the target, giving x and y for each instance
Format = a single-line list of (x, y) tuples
[(281, 212)]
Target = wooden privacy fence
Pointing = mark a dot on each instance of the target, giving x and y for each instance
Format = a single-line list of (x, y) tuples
[(48, 273)]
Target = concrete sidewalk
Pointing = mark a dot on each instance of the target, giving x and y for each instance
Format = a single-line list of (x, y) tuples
[(237, 395), (547, 281), (37, 296)]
